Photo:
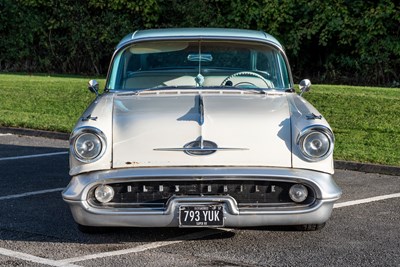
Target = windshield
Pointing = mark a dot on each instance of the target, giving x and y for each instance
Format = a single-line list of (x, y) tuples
[(159, 64)]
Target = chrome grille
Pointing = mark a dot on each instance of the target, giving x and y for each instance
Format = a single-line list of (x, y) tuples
[(157, 193)]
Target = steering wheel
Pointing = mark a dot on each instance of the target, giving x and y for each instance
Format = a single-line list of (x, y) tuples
[(245, 73)]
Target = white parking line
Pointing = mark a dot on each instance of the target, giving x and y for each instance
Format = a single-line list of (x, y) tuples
[(35, 156), (149, 246), (365, 200), (6, 134), (121, 252), (31, 258), (31, 193)]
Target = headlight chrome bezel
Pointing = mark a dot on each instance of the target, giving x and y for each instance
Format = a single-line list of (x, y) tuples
[(83, 131), (320, 129)]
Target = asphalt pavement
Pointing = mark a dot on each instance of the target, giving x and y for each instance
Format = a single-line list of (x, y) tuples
[(37, 229)]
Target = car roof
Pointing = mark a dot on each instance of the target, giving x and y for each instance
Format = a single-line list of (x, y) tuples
[(198, 33)]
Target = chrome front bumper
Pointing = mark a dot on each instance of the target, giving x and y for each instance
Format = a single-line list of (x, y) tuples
[(326, 190)]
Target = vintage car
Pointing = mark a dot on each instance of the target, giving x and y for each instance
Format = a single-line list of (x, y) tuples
[(200, 128)]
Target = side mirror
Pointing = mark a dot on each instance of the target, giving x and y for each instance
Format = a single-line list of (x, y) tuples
[(93, 87), (305, 86)]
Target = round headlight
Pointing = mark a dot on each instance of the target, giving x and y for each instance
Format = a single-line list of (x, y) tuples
[(87, 144), (316, 143)]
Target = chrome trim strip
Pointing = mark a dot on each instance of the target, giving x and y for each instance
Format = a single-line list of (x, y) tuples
[(133, 34), (201, 110), (198, 149)]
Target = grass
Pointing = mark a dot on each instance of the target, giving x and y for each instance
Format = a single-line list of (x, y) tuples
[(43, 102), (366, 120)]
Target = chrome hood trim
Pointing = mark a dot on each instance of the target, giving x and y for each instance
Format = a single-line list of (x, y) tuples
[(200, 148)]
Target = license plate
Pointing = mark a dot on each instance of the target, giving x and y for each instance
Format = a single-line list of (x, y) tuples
[(201, 216)]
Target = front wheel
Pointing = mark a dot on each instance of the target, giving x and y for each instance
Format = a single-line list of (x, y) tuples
[(310, 227)]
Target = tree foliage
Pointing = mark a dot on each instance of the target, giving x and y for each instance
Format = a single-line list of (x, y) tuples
[(339, 41)]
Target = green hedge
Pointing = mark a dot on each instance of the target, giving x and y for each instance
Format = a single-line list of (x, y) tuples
[(341, 41)]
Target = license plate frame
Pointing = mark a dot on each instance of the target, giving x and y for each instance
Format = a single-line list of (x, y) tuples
[(201, 216)]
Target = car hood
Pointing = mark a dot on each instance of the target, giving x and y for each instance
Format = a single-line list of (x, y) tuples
[(225, 129)]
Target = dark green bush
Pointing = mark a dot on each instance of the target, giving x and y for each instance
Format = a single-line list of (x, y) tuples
[(341, 41)]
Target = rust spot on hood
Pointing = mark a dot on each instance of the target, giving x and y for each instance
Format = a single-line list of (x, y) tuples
[(134, 163)]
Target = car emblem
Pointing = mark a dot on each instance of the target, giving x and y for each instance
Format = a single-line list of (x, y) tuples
[(200, 148)]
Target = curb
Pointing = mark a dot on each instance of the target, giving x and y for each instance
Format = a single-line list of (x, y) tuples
[(35, 133), (367, 167), (339, 164)]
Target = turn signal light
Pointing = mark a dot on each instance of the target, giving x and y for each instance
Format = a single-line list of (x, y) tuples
[(104, 193), (298, 193)]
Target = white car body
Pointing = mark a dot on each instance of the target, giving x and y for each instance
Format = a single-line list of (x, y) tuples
[(197, 143)]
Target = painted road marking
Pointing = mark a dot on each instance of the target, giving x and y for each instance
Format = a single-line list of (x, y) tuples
[(35, 156), (31, 193), (31, 258), (68, 262), (149, 246), (6, 134), (365, 200)]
